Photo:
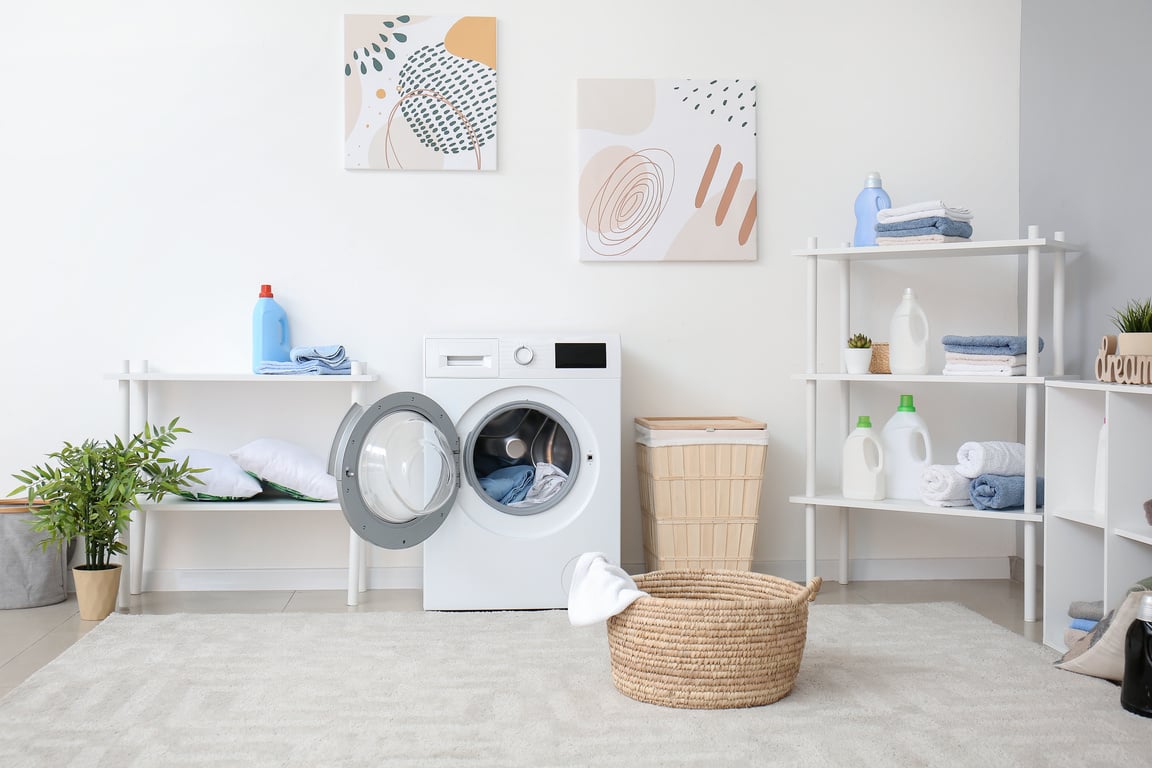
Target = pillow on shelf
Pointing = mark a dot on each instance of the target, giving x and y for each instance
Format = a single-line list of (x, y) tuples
[(1101, 652), (225, 480), (288, 468)]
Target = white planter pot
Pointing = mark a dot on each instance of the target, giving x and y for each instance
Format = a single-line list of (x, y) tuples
[(857, 360)]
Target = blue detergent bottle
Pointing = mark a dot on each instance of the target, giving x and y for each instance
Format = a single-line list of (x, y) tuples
[(870, 200), (270, 340)]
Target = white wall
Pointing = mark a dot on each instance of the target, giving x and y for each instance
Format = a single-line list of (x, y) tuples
[(161, 161)]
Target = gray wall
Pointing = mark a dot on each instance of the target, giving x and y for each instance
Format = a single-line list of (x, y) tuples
[(1085, 161)]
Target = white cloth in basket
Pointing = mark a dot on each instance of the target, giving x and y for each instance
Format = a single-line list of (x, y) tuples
[(599, 590)]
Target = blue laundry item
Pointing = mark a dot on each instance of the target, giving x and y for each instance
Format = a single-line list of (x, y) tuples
[(989, 345), (1002, 492), (333, 354), (509, 484), (931, 225), (1084, 625), (308, 367)]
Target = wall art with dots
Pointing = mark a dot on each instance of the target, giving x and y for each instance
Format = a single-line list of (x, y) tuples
[(420, 92), (667, 170)]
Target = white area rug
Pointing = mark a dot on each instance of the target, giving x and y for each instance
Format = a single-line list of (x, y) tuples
[(891, 685)]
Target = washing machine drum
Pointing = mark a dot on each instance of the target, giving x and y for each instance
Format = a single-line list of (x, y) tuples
[(397, 462)]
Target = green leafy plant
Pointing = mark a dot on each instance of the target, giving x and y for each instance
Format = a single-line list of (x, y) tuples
[(1134, 317), (91, 489), (859, 341)]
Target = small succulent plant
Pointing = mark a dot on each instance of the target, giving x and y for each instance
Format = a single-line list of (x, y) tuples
[(859, 341)]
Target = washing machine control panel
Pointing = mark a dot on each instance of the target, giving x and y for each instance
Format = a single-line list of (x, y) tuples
[(523, 357)]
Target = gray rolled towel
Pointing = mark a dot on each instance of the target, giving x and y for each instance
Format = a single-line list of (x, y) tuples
[(1093, 610)]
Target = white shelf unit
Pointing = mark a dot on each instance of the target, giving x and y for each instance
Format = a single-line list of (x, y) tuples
[(1085, 557), (133, 385), (1032, 247)]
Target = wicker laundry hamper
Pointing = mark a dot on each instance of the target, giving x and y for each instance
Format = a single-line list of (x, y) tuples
[(711, 639)]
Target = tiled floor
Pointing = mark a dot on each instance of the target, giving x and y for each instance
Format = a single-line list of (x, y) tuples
[(32, 637)]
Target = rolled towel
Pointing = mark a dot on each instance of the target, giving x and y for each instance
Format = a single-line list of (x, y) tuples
[(599, 590), (1003, 492), (929, 225), (1086, 609), (990, 458), (1084, 625), (989, 345), (920, 210), (942, 486)]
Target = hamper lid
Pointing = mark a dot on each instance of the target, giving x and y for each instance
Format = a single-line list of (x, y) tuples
[(695, 430)]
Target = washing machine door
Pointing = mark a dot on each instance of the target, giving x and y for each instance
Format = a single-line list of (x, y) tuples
[(398, 465)]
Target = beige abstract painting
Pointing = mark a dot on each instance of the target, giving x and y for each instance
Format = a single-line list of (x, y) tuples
[(667, 170), (420, 92)]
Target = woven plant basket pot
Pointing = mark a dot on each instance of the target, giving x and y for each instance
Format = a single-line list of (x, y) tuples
[(880, 362), (710, 639)]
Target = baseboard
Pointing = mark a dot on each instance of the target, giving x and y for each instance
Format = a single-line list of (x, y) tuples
[(914, 569), (259, 579)]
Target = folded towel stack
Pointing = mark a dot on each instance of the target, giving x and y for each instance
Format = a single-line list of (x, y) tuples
[(319, 361), (929, 221), (986, 355), (987, 475)]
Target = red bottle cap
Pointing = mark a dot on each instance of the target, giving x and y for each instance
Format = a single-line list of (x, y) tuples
[(265, 291)]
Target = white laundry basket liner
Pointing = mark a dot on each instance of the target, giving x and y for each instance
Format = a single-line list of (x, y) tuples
[(700, 481)]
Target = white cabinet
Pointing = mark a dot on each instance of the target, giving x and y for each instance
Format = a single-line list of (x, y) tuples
[(1089, 556), (134, 386), (830, 498)]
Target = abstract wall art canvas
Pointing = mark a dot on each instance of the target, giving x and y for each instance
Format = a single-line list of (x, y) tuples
[(667, 170), (420, 92)]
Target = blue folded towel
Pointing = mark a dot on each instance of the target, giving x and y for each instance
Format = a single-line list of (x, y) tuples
[(931, 225), (989, 345), (1002, 492), (1084, 625), (333, 354), (509, 484), (318, 361)]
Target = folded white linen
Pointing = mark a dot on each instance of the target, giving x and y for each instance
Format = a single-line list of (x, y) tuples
[(967, 357), (921, 210), (599, 590), (979, 369), (994, 457), (914, 239), (941, 482)]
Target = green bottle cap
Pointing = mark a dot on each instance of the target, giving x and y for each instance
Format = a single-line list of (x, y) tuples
[(864, 422), (906, 404)]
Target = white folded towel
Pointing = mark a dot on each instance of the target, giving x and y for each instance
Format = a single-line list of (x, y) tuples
[(967, 357), (922, 210), (914, 239), (978, 369), (599, 590), (940, 483), (990, 458)]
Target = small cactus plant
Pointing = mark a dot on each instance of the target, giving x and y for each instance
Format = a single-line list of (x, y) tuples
[(859, 341)]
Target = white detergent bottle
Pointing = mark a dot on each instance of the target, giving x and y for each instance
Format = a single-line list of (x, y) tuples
[(907, 451), (863, 464), (908, 337)]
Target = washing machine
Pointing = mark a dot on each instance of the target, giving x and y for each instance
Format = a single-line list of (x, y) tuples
[(506, 467)]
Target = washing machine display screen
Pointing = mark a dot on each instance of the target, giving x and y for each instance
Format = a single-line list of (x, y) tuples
[(581, 355)]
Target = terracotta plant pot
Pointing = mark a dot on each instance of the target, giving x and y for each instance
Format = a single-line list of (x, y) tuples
[(96, 591)]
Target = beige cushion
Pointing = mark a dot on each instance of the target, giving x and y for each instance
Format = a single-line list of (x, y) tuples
[(1100, 653)]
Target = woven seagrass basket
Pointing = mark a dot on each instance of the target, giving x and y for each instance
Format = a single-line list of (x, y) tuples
[(879, 362), (711, 639)]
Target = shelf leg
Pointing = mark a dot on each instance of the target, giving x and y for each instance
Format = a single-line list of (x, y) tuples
[(843, 545), (354, 560), (809, 542), (127, 572), (136, 530), (1029, 571)]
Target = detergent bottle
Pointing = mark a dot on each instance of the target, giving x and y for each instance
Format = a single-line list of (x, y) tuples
[(908, 337), (270, 340), (868, 203), (863, 464), (907, 451)]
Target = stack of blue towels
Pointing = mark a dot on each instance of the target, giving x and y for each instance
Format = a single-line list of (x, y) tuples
[(929, 221), (320, 361)]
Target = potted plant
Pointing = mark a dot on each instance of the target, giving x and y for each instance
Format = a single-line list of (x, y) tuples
[(89, 490), (858, 355), (1134, 321)]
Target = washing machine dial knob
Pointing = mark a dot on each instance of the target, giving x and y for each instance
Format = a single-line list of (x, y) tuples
[(523, 355)]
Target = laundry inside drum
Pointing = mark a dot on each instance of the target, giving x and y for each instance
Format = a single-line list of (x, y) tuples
[(523, 459)]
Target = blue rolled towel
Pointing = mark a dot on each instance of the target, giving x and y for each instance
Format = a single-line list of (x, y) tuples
[(931, 225), (989, 345), (1002, 492), (509, 484), (1084, 625)]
